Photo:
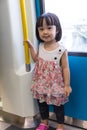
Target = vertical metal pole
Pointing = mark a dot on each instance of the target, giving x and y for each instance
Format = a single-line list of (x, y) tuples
[(25, 34)]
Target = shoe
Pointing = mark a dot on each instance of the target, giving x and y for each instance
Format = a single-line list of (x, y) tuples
[(42, 126), (61, 129)]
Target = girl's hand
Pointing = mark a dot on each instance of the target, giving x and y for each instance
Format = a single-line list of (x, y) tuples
[(33, 52), (68, 90), (29, 43)]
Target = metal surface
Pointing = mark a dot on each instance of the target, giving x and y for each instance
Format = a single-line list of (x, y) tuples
[(32, 122), (22, 122), (71, 121)]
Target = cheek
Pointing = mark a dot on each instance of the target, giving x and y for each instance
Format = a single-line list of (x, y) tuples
[(54, 33), (40, 34)]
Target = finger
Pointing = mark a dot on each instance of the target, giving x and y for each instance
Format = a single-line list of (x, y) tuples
[(66, 94)]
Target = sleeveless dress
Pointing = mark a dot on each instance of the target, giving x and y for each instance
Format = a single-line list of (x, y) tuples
[(48, 83)]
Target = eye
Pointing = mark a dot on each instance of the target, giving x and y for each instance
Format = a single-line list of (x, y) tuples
[(40, 28), (49, 27)]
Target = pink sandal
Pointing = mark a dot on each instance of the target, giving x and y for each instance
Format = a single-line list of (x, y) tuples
[(42, 126), (61, 129)]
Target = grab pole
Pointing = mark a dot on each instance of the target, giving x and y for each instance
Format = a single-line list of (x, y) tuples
[(25, 35)]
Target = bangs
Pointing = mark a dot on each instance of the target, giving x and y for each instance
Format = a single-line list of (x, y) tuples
[(49, 20)]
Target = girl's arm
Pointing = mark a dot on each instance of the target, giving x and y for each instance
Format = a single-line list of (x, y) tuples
[(33, 52), (66, 73)]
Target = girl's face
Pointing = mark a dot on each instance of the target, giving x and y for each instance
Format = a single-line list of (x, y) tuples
[(47, 33)]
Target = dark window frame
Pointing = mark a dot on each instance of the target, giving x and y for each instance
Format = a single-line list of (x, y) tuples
[(42, 6)]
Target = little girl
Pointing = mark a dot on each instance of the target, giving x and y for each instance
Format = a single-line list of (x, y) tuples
[(51, 79)]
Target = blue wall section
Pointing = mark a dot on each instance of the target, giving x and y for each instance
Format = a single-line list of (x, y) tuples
[(77, 106)]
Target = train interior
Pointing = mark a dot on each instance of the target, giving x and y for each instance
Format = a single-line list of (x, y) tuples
[(18, 109)]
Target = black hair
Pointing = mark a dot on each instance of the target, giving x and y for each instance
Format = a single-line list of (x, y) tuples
[(51, 19)]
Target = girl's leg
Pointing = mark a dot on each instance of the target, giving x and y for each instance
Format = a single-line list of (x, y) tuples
[(59, 111), (44, 112)]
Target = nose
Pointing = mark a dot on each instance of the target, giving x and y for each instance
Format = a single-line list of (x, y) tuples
[(45, 31)]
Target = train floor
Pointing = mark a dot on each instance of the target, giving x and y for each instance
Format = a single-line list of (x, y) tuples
[(7, 126)]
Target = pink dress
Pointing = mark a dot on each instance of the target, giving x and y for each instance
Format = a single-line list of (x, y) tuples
[(47, 83)]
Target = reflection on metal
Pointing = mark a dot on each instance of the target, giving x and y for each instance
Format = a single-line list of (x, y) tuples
[(28, 67), (22, 122), (0, 104), (32, 122), (71, 121)]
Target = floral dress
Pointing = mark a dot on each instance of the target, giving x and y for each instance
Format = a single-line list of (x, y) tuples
[(47, 83)]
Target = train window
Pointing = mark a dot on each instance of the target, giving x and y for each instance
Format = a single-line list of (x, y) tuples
[(73, 18)]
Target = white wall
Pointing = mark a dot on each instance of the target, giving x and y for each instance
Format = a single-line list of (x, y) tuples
[(15, 82)]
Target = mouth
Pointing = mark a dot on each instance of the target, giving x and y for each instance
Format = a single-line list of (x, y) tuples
[(45, 37)]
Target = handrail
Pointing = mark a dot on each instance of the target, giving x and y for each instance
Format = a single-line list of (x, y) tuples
[(25, 35)]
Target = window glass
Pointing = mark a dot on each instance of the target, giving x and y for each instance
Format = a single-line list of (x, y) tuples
[(73, 19)]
